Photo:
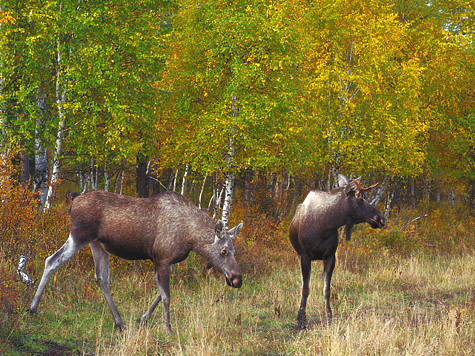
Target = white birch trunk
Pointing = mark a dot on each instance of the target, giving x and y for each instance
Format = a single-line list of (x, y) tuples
[(380, 192), (61, 90), (41, 158), (201, 192), (229, 183), (388, 203), (119, 181), (183, 184), (217, 202), (94, 172), (91, 173), (106, 177), (214, 195), (175, 179), (86, 184), (122, 179)]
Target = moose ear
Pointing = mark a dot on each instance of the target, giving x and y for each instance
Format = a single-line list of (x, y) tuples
[(219, 229), (351, 188), (342, 180), (235, 231)]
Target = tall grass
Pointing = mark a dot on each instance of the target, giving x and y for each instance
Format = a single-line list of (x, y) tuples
[(406, 290), (416, 305)]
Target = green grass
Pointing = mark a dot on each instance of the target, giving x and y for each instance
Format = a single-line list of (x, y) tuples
[(417, 305)]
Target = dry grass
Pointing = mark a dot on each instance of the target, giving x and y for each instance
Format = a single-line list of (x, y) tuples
[(418, 305), (394, 292)]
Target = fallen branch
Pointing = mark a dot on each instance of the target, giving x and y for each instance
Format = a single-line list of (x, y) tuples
[(415, 219)]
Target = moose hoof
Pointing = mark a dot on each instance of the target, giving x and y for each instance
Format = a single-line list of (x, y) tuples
[(169, 330), (302, 319), (120, 327), (141, 323)]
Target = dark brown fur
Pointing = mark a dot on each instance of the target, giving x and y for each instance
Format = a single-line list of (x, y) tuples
[(313, 232), (163, 229)]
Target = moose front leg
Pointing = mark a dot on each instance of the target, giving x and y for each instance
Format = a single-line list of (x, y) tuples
[(162, 277), (328, 267), (52, 263), (305, 268)]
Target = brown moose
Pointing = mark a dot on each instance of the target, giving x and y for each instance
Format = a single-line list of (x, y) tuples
[(313, 232), (163, 228)]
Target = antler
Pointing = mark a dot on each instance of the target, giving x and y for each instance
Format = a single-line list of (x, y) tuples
[(361, 189)]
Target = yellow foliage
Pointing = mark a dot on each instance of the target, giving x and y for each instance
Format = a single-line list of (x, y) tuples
[(5, 17)]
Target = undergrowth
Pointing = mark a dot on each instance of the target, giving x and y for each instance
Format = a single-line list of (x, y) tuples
[(407, 289)]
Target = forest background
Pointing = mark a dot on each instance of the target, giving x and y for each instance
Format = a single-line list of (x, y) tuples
[(185, 95), (243, 107)]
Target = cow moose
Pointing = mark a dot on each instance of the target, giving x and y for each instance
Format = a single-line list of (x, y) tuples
[(313, 232), (163, 228)]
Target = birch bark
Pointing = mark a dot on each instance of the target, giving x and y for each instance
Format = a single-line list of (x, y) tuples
[(229, 183), (106, 177), (184, 182), (61, 90), (41, 158), (346, 95), (380, 192), (201, 192)]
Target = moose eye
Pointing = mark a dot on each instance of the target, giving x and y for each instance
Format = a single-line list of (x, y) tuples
[(224, 252)]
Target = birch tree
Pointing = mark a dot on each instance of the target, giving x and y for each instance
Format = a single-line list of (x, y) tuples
[(61, 96), (231, 103)]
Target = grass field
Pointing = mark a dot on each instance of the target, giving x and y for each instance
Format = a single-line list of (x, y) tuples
[(420, 304)]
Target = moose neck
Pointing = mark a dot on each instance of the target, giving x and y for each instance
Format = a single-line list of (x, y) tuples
[(201, 242), (331, 206)]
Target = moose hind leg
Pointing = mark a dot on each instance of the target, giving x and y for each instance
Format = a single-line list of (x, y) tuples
[(52, 263), (305, 268), (101, 265), (328, 267)]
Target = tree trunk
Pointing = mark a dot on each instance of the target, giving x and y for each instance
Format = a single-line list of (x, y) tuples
[(183, 183), (41, 177), (119, 181), (106, 177), (214, 196), (91, 173), (61, 90), (414, 198), (24, 168), (141, 176), (388, 204), (247, 183), (86, 183), (201, 192), (229, 183), (153, 181), (297, 187), (380, 192), (175, 179)]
